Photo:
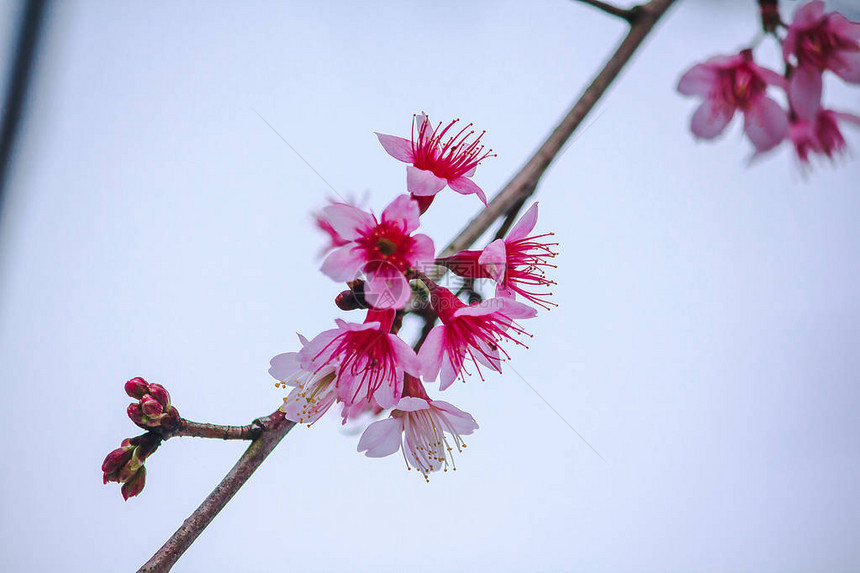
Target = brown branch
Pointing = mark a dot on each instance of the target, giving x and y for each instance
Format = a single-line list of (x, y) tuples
[(273, 428), (628, 14), (524, 183), (204, 430), (506, 203)]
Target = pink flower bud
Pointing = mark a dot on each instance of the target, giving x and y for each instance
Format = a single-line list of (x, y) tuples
[(136, 388), (150, 406), (158, 392), (135, 484), (116, 460), (135, 413)]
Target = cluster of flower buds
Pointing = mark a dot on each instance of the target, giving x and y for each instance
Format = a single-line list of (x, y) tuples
[(125, 464), (365, 366), (153, 408), (814, 43)]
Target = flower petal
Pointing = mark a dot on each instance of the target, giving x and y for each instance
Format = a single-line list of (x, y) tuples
[(849, 67), (506, 306), (804, 92), (404, 211), (397, 147), (412, 404), (347, 220), (318, 351), (387, 288), (465, 186), (430, 353), (284, 367), (524, 225), (343, 263), (766, 124), (423, 183), (447, 375), (405, 356), (462, 422), (381, 438), (808, 14), (494, 258), (699, 80), (710, 120), (422, 253)]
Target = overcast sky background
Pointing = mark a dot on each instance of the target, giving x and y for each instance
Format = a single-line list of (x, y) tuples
[(706, 343)]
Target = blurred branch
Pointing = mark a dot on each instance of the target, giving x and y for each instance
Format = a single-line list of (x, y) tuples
[(19, 81), (513, 195), (204, 430), (506, 203), (612, 10), (273, 428)]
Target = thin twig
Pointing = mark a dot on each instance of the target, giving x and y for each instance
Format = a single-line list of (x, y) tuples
[(623, 13), (204, 430), (274, 428), (524, 183)]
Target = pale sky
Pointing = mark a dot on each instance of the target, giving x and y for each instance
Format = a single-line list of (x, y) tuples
[(706, 343)]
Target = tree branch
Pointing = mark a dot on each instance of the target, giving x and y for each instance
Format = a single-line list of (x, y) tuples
[(273, 428), (524, 183), (506, 203), (623, 13), (204, 430)]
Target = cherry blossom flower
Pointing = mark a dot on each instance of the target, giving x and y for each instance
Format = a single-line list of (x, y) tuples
[(438, 159), (820, 134), (468, 332), (732, 83), (516, 262), (383, 248), (417, 426), (313, 393), (823, 41), (369, 360)]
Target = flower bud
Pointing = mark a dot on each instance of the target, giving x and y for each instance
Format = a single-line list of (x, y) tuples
[(150, 406), (136, 388), (158, 392), (135, 484), (135, 413), (115, 461)]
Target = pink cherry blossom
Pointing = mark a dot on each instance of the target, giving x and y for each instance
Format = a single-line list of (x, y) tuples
[(384, 249), (369, 360), (821, 41), (470, 332), (732, 83), (516, 262), (820, 135), (313, 393), (417, 426), (438, 159)]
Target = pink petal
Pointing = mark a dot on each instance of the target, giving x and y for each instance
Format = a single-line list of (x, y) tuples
[(347, 220), (849, 117), (769, 76), (505, 292), (387, 395), (423, 252), (508, 307), (447, 375), (494, 258), (404, 355), (284, 367), (804, 92), (842, 26), (700, 80), (412, 404), (489, 356), (709, 120), (318, 351), (343, 263), (462, 422), (766, 124), (403, 210), (808, 14), (423, 183), (470, 172), (849, 67), (387, 288), (381, 438), (465, 186), (397, 147), (430, 353), (525, 225)]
